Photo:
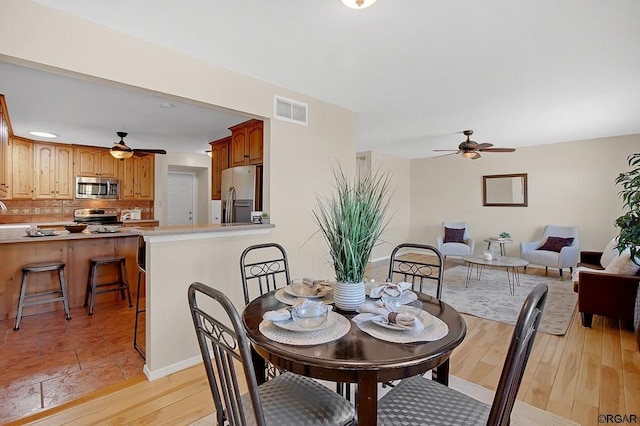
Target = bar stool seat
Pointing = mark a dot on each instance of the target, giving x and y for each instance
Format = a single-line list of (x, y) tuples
[(93, 286), (44, 297)]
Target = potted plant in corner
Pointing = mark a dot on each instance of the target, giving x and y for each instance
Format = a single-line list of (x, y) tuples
[(629, 223), (351, 220)]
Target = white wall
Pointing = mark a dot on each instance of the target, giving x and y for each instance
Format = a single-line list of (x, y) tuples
[(570, 183)]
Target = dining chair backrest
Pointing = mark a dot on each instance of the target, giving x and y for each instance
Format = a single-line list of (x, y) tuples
[(265, 267), (142, 254), (517, 356), (221, 348), (418, 264)]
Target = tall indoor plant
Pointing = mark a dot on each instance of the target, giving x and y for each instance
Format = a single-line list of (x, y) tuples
[(351, 221), (629, 223)]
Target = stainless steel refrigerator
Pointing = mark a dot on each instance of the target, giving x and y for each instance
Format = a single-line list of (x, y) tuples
[(238, 193)]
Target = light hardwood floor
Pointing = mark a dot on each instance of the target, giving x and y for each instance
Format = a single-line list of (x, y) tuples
[(580, 375)]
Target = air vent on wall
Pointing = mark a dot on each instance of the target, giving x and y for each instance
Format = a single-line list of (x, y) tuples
[(290, 110)]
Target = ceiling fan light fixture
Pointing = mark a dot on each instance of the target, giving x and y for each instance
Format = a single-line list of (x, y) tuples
[(120, 152), (358, 4), (469, 154), (209, 153)]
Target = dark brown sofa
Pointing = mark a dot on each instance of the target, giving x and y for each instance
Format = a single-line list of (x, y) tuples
[(606, 294)]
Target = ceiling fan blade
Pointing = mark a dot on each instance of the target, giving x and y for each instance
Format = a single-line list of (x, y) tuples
[(476, 156), (140, 152), (443, 150), (444, 155), (498, 150), (482, 146)]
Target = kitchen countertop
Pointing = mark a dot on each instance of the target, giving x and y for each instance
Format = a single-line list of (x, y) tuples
[(13, 235)]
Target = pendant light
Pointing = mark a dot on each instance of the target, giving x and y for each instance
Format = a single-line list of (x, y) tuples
[(358, 4)]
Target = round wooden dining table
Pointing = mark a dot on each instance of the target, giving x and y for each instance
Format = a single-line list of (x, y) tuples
[(356, 357)]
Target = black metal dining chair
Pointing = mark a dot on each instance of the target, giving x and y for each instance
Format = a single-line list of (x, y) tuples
[(422, 401), (265, 267), (428, 268), (287, 399)]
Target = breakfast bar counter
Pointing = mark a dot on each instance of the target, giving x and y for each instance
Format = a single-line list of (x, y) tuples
[(75, 250)]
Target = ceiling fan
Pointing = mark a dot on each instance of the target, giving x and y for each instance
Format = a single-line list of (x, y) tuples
[(120, 150), (471, 149)]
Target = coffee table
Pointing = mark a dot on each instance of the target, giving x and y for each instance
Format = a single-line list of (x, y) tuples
[(511, 264)]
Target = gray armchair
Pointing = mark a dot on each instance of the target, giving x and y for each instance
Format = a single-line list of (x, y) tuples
[(565, 257), (464, 247)]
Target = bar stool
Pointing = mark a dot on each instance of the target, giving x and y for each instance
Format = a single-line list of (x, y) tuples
[(25, 299), (141, 261), (93, 285)]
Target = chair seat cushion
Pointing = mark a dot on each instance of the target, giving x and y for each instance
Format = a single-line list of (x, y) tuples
[(455, 249), (290, 400), (542, 257), (419, 401)]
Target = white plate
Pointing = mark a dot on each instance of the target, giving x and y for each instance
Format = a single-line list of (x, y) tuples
[(292, 326), (52, 234), (294, 290)]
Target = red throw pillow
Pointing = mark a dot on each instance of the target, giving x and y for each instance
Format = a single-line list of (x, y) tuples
[(556, 243), (453, 235)]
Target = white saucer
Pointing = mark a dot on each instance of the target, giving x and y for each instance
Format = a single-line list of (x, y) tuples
[(293, 326)]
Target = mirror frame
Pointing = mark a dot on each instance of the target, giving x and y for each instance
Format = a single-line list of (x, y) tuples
[(488, 203)]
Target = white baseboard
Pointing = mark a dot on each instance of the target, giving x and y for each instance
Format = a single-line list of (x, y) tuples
[(170, 369)]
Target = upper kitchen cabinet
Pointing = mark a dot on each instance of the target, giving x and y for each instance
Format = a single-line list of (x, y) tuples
[(219, 162), (5, 155), (53, 171), (22, 164), (137, 178), (96, 162), (246, 144)]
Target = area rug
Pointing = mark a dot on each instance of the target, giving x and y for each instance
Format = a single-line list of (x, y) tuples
[(522, 415), (489, 298)]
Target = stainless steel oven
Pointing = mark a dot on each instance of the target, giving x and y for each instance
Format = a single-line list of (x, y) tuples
[(97, 188)]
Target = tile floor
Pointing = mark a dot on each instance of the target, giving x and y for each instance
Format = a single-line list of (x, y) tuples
[(50, 361)]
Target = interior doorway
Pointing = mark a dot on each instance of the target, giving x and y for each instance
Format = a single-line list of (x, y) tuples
[(181, 196)]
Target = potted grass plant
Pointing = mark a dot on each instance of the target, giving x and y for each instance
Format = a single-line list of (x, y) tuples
[(351, 221), (629, 223)]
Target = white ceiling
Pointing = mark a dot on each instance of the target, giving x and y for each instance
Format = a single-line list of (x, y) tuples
[(519, 73)]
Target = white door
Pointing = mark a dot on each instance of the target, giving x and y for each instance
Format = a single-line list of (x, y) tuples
[(181, 198)]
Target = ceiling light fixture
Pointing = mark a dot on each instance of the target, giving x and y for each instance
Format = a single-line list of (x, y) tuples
[(209, 153), (358, 4), (469, 154), (44, 134), (120, 150)]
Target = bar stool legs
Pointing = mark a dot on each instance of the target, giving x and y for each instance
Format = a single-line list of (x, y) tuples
[(26, 299), (121, 285)]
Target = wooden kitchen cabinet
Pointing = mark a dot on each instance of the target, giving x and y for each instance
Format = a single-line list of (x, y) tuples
[(5, 155), (54, 171), (22, 165), (219, 162), (137, 178), (95, 162), (246, 143)]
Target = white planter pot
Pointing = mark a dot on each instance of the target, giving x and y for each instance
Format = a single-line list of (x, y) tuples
[(348, 296)]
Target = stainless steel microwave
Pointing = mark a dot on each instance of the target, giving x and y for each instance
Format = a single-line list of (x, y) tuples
[(97, 188)]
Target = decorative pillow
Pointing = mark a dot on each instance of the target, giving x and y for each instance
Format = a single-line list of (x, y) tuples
[(610, 252), (576, 272), (453, 235), (622, 265), (556, 243)]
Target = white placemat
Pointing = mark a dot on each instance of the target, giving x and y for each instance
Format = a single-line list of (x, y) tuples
[(339, 329), (284, 297), (434, 329)]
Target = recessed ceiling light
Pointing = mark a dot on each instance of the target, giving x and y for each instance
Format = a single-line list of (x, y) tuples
[(44, 134), (167, 105)]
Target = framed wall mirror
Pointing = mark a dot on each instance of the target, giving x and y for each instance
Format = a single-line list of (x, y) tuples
[(505, 190)]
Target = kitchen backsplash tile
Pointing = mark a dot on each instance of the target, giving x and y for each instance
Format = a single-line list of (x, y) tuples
[(32, 211)]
